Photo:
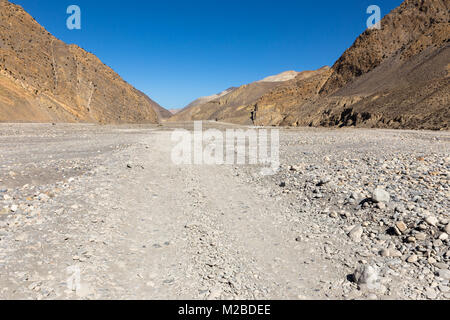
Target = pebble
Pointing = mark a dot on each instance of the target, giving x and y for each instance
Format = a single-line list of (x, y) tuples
[(447, 228), (356, 233), (444, 274), (381, 205), (366, 275), (411, 240), (334, 214), (380, 195), (432, 220), (444, 289), (394, 253), (431, 293), (401, 226), (443, 236), (420, 236)]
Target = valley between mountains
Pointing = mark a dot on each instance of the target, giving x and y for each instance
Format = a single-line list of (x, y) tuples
[(93, 207)]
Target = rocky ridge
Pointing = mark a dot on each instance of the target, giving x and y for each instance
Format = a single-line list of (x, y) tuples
[(237, 105), (396, 77)]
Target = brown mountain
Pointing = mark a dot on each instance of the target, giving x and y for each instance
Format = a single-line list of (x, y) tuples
[(396, 77), (231, 105), (42, 79), (203, 100), (163, 114), (273, 107)]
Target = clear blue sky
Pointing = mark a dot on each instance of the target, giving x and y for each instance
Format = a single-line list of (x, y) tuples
[(176, 51)]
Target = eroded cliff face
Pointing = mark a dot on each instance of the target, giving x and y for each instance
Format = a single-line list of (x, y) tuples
[(42, 79)]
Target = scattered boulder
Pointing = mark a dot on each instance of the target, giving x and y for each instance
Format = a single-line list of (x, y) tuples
[(367, 276), (443, 236)]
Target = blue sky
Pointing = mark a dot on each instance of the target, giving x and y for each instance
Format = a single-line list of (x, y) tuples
[(176, 51)]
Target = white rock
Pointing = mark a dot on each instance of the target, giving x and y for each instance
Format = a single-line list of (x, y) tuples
[(381, 205), (412, 259), (356, 233), (443, 236), (368, 276), (431, 220), (391, 253), (381, 195), (431, 293), (444, 274)]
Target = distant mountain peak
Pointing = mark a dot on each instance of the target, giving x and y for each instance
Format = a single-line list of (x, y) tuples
[(284, 76)]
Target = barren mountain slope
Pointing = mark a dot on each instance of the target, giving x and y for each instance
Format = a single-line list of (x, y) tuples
[(206, 99), (407, 31), (277, 105), (396, 77), (233, 106), (162, 113), (42, 79)]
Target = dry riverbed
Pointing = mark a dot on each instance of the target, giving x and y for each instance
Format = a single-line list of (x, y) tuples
[(352, 214)]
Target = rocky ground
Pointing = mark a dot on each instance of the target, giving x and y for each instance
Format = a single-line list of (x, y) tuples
[(382, 200), (352, 214)]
